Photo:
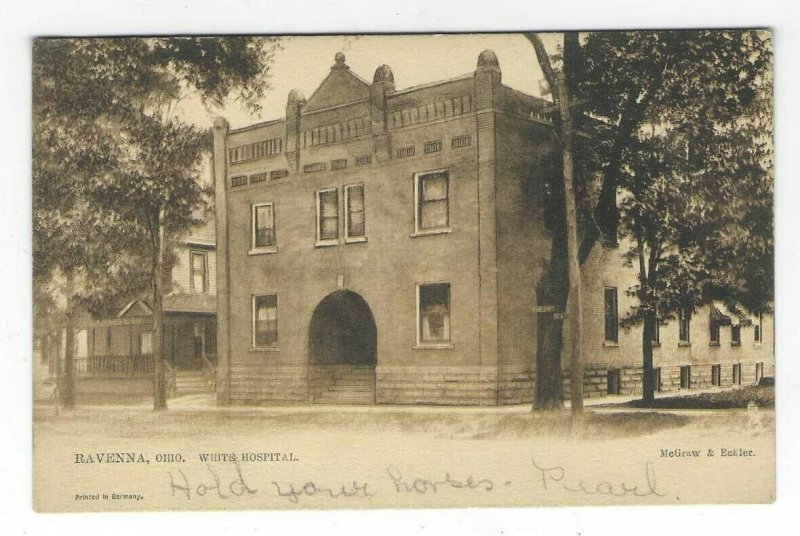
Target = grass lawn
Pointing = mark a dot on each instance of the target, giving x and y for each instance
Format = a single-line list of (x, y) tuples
[(763, 397)]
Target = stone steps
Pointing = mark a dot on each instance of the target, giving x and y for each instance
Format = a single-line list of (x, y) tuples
[(191, 383), (344, 385)]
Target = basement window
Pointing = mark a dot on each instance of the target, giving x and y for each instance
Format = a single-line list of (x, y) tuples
[(686, 377), (613, 382)]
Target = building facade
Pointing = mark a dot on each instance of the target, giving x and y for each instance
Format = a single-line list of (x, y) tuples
[(378, 245)]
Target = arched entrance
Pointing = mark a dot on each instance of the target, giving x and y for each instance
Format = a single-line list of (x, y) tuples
[(342, 350)]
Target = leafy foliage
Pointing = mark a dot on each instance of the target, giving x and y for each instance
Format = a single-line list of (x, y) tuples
[(689, 80), (107, 152)]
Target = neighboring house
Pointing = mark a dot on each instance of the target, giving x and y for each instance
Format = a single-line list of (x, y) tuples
[(113, 359), (378, 245)]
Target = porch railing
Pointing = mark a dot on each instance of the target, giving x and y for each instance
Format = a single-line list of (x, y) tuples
[(210, 369), (116, 366)]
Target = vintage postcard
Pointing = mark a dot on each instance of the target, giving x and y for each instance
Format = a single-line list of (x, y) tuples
[(403, 271)]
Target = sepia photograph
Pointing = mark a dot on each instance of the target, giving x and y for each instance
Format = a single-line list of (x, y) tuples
[(403, 271), (433, 268)]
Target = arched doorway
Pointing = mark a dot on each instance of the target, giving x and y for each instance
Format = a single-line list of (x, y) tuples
[(342, 350)]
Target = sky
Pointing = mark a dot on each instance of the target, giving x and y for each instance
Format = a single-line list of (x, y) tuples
[(304, 61)]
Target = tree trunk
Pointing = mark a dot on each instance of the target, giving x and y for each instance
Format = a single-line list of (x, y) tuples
[(159, 372), (67, 388), (648, 385), (551, 291)]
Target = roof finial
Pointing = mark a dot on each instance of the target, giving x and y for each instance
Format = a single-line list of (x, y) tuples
[(339, 57), (488, 59)]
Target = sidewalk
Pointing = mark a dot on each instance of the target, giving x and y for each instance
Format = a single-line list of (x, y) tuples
[(206, 404)]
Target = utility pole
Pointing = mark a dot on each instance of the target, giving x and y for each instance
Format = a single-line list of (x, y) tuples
[(574, 300), (558, 87)]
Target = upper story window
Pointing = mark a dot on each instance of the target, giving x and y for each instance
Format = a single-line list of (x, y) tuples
[(433, 314), (611, 314), (432, 211), (736, 335), (198, 266), (263, 220), (327, 217), (758, 333), (714, 332), (265, 321), (355, 224), (684, 323)]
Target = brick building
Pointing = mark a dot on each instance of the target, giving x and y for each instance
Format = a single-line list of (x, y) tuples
[(378, 245)]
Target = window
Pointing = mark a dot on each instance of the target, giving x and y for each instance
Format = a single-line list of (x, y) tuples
[(432, 146), (433, 312), (265, 321), (684, 323), (714, 333), (657, 332), (612, 382), (199, 271), (759, 371), (716, 376), (108, 340), (757, 330), (328, 216), (82, 344), (355, 226), (737, 374), (686, 377), (258, 177), (432, 210), (264, 239), (611, 314), (736, 335), (146, 342)]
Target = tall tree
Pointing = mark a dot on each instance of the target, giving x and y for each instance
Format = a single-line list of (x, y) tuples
[(630, 83), (686, 145), (101, 106)]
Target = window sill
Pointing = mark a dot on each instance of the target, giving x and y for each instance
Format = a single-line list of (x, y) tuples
[(713, 344), (326, 243), (429, 232), (264, 349), (684, 344), (433, 346), (655, 344), (355, 240), (263, 251), (757, 344), (610, 344), (736, 344)]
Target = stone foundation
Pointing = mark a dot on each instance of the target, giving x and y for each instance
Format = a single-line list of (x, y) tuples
[(268, 385), (595, 383), (454, 386), (462, 386), (515, 385)]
